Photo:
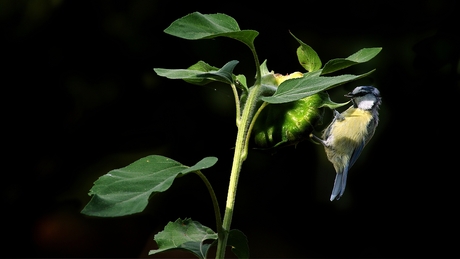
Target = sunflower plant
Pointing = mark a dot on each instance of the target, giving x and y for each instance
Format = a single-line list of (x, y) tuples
[(275, 110)]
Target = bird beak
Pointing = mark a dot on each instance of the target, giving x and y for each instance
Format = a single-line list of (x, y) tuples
[(349, 95)]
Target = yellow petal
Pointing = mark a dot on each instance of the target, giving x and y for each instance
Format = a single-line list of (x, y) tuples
[(280, 78)]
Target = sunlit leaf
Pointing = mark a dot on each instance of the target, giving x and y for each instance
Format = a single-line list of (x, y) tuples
[(298, 88), (126, 190)]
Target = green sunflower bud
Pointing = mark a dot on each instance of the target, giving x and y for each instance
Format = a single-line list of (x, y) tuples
[(290, 123)]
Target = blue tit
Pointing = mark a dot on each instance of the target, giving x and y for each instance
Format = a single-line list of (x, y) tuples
[(349, 132)]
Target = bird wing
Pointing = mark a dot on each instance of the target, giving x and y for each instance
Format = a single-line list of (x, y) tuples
[(371, 129), (356, 153)]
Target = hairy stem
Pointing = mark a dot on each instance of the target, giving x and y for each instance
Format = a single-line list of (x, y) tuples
[(238, 159), (244, 122)]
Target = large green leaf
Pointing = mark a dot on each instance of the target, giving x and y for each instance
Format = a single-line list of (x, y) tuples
[(126, 190), (184, 234), (196, 26), (361, 56), (311, 83)]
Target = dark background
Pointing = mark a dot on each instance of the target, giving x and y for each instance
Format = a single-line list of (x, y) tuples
[(80, 98)]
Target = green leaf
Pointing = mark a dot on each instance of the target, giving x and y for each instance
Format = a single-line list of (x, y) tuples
[(178, 73), (361, 56), (241, 82), (184, 234), (268, 78), (225, 74), (126, 190), (239, 243), (190, 236), (264, 69), (308, 58), (203, 67), (196, 26), (327, 102), (298, 88), (201, 73)]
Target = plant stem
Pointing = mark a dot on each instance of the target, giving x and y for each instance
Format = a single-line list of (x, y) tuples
[(245, 152), (237, 104), (244, 125), (238, 159), (215, 203)]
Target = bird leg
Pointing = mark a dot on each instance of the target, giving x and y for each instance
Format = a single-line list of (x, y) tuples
[(338, 116)]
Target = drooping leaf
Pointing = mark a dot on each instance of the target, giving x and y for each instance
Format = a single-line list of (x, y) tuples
[(201, 73), (361, 56), (225, 74), (327, 102), (298, 88), (196, 26), (239, 243), (184, 234), (308, 58), (126, 190)]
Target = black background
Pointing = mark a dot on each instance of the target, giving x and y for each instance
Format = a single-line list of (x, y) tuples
[(80, 98)]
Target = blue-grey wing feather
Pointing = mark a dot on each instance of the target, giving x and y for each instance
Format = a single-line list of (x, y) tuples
[(356, 153), (371, 129)]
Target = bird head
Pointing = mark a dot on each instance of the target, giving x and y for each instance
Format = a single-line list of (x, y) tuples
[(365, 97)]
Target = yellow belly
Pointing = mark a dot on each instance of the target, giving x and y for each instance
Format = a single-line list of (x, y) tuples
[(353, 128), (345, 136)]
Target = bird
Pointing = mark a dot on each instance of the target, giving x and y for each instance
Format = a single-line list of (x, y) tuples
[(349, 132)]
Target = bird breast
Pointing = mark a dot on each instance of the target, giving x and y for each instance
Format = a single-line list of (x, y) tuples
[(349, 131)]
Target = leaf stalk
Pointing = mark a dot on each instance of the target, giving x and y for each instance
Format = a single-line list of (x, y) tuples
[(215, 203)]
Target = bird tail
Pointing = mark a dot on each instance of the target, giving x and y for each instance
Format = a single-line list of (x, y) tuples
[(340, 183)]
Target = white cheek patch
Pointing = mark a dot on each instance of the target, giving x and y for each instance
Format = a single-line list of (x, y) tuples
[(366, 102)]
